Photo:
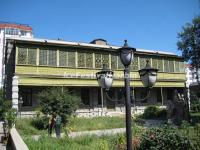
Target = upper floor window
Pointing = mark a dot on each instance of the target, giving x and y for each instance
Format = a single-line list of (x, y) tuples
[(85, 60), (66, 58), (134, 63), (101, 59), (143, 61), (23, 33), (47, 57), (160, 65), (182, 66), (12, 31), (116, 62), (113, 62), (26, 56)]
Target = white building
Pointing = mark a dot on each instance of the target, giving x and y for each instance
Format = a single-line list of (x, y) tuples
[(11, 30), (191, 75), (191, 80)]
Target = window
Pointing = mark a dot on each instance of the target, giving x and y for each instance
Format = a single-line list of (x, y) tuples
[(101, 59), (182, 67), (43, 57), (71, 59), (23, 33), (52, 59), (22, 55), (171, 66), (160, 65), (98, 61), (166, 65), (143, 62), (105, 60), (89, 60), (12, 31), (134, 63), (143, 95), (113, 62), (120, 96), (169, 94), (81, 59), (62, 58), (26, 95), (85, 60), (26, 56), (67, 58), (99, 97), (32, 56), (120, 65), (85, 96), (177, 69), (155, 63), (48, 57)]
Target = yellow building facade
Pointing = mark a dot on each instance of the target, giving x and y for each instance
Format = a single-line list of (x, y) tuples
[(32, 65)]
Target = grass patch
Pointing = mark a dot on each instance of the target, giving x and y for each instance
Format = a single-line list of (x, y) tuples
[(24, 127), (81, 143), (96, 123)]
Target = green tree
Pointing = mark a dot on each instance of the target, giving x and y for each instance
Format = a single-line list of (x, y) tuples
[(58, 101), (189, 42), (5, 105)]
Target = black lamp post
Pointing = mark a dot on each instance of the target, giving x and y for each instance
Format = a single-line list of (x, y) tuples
[(147, 75)]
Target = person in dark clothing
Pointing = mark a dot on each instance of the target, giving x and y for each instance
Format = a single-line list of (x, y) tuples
[(51, 124), (58, 122)]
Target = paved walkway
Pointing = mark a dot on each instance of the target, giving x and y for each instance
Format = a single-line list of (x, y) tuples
[(148, 124), (93, 132), (2, 146)]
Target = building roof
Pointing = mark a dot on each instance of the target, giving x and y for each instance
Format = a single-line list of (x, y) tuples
[(86, 45), (15, 25)]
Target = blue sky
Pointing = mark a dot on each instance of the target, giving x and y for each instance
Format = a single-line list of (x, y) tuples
[(148, 24)]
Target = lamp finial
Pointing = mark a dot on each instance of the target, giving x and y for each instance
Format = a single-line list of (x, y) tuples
[(125, 43)]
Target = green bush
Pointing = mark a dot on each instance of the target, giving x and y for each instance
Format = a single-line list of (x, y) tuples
[(194, 118), (153, 112), (40, 123), (5, 105), (58, 101), (195, 102), (10, 117), (164, 138)]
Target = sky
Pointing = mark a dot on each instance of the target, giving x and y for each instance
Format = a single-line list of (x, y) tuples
[(146, 24)]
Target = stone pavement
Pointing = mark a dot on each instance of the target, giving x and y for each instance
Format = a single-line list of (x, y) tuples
[(2, 146), (84, 133), (148, 124)]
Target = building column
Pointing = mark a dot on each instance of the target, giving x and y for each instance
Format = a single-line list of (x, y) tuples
[(15, 90), (161, 90)]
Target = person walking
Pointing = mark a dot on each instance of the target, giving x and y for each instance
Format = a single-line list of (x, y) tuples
[(58, 123), (51, 124)]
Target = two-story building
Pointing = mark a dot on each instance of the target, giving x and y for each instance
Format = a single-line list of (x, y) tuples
[(35, 64)]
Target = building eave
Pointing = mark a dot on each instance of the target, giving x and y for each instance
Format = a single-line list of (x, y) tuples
[(86, 45)]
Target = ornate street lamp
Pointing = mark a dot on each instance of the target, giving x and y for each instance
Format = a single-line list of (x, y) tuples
[(105, 78), (147, 75)]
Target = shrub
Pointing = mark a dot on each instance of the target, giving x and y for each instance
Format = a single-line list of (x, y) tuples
[(164, 138), (10, 117), (40, 123), (195, 102), (162, 113), (5, 105), (152, 112), (194, 118), (58, 101)]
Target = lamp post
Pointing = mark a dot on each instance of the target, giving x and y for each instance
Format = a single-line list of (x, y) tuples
[(147, 75)]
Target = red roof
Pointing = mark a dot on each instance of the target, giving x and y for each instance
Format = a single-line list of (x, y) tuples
[(18, 26)]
